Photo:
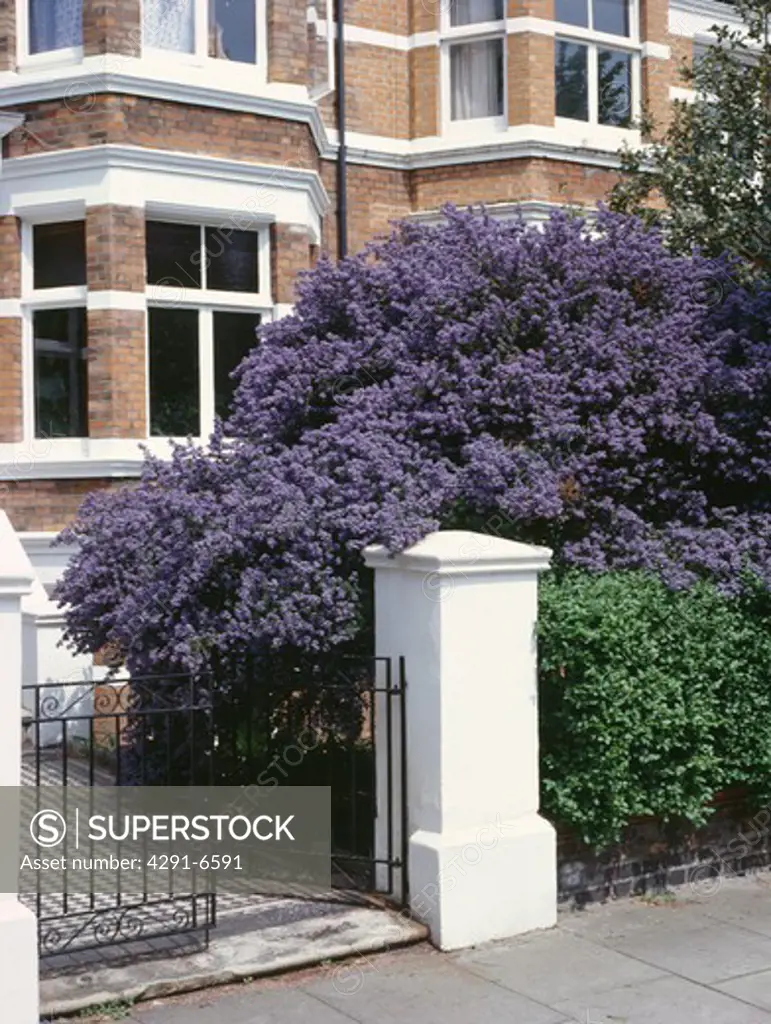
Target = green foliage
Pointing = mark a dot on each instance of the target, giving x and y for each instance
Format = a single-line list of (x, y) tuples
[(712, 165), (652, 700)]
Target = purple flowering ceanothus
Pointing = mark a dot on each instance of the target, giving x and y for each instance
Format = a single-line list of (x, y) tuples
[(574, 386)]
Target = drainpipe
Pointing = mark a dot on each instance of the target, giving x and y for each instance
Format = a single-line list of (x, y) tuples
[(342, 153)]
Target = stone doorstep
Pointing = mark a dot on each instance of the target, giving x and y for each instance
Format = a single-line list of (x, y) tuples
[(234, 954)]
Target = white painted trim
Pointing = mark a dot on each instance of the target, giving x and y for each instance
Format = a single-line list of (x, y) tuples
[(691, 18), (537, 26), (532, 211), (282, 309), (106, 157), (678, 92), (10, 308), (186, 186), (115, 300), (573, 142), (77, 458), (656, 51)]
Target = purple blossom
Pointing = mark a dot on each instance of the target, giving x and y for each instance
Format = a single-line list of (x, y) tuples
[(568, 385)]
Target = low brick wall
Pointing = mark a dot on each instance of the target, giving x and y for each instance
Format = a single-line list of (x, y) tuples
[(652, 857)]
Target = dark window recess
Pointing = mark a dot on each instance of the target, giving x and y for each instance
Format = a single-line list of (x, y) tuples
[(60, 372), (234, 338), (173, 254), (471, 12), (572, 12), (59, 254), (611, 16), (233, 30), (175, 409), (571, 80), (232, 260), (615, 88)]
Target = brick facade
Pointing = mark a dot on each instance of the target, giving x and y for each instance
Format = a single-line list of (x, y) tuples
[(7, 34), (290, 254), (48, 504), (287, 42), (112, 26), (394, 95)]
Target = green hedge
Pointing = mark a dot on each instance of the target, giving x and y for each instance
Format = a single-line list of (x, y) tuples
[(652, 701)]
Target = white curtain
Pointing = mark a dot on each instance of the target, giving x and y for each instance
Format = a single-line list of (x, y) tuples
[(476, 80), (169, 24), (55, 24), (470, 12)]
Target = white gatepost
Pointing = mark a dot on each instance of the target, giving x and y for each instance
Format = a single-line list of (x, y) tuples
[(462, 609), (18, 928)]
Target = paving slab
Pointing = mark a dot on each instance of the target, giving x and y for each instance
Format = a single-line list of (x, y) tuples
[(262, 1008), (752, 988), (236, 952), (680, 960), (663, 1001), (553, 966), (428, 988)]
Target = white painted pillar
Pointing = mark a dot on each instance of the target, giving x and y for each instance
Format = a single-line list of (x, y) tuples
[(18, 929), (462, 609), (46, 661)]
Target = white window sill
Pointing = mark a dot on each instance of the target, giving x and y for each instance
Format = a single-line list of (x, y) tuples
[(473, 128), (74, 458), (64, 57), (595, 136)]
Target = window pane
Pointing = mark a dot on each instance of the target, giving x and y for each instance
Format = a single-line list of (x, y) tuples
[(571, 80), (572, 12), (169, 24), (615, 88), (55, 24), (59, 254), (476, 79), (471, 12), (174, 373), (232, 263), (173, 254), (232, 30), (611, 16), (60, 372), (234, 338)]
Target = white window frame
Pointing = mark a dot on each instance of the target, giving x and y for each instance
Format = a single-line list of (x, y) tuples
[(596, 41), (200, 57), (48, 58), (476, 32), (32, 300), (206, 302)]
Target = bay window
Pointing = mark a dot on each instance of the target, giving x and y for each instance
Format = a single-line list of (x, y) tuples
[(474, 59), (220, 29), (56, 311), (206, 300), (596, 61), (53, 24)]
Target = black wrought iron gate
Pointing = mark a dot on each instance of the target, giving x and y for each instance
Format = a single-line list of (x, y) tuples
[(318, 722)]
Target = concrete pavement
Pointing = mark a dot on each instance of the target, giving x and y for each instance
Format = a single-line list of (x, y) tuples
[(682, 959)]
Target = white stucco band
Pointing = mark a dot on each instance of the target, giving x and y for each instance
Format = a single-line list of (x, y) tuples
[(461, 608), (62, 183)]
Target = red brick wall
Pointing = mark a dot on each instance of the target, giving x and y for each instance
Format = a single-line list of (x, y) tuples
[(7, 34), (115, 248), (112, 26), (48, 504), (10, 332), (287, 42), (139, 121), (290, 254), (10, 379)]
